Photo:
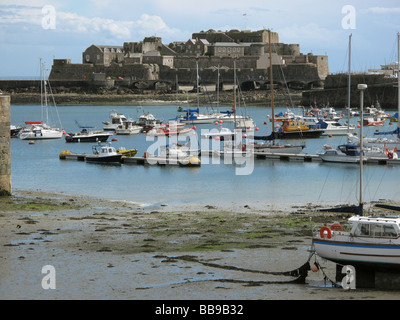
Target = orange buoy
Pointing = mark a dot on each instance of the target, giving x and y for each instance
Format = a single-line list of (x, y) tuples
[(314, 268), (336, 226), (115, 139), (325, 229), (31, 142)]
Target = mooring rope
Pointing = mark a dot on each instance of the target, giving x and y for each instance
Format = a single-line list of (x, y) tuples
[(300, 273)]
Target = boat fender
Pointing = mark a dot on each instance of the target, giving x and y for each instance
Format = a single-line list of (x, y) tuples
[(337, 227), (322, 232)]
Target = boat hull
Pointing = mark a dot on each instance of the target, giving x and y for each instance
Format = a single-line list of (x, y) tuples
[(363, 255), (94, 138), (299, 134), (104, 159), (339, 158), (40, 135)]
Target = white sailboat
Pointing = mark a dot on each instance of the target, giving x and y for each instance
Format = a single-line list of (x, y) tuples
[(40, 130), (372, 243)]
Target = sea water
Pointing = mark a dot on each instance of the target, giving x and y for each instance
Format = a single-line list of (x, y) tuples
[(38, 167)]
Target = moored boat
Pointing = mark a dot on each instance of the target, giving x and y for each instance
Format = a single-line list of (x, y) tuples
[(104, 154), (296, 129), (88, 136), (39, 131), (168, 132), (116, 119), (127, 128), (372, 243)]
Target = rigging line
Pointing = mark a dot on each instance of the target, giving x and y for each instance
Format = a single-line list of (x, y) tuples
[(323, 186), (380, 183), (54, 103), (284, 79)]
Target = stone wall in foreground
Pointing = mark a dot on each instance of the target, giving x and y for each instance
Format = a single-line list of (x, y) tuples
[(5, 146)]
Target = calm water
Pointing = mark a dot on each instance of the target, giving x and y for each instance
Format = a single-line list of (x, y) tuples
[(37, 167)]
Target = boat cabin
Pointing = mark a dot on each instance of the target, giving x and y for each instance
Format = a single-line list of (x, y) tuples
[(294, 125), (103, 150), (375, 227)]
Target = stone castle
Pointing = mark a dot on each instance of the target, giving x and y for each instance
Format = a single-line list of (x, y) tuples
[(150, 64)]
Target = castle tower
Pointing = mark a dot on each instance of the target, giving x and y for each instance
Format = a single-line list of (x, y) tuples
[(5, 146)]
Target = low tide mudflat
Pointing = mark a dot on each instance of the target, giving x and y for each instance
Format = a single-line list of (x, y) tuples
[(119, 250)]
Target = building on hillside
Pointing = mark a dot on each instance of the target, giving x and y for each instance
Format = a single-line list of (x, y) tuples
[(227, 49), (103, 55), (196, 47)]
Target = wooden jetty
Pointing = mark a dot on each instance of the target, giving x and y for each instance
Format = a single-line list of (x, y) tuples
[(257, 155), (137, 160)]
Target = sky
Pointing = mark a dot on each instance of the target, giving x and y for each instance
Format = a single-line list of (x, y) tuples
[(63, 29)]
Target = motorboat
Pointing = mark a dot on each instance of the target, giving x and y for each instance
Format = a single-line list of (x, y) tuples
[(15, 130), (175, 154), (88, 136), (104, 154), (39, 131), (338, 156), (350, 153), (168, 132), (296, 129), (375, 112), (329, 113), (371, 243), (375, 121), (334, 128), (127, 128), (224, 133), (149, 119), (116, 119)]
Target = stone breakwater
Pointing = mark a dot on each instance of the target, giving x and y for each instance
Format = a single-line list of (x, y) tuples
[(132, 97)]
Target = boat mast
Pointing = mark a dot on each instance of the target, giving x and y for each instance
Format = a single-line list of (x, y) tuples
[(361, 87), (271, 84), (349, 86), (41, 88), (45, 93), (398, 81), (218, 90), (197, 83), (234, 91)]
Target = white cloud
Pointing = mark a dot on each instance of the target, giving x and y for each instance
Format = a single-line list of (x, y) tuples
[(382, 10), (74, 23)]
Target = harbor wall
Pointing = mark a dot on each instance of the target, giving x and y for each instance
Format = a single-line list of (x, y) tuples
[(5, 146), (335, 93)]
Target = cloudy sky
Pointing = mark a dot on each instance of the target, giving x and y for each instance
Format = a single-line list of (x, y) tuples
[(30, 30)]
